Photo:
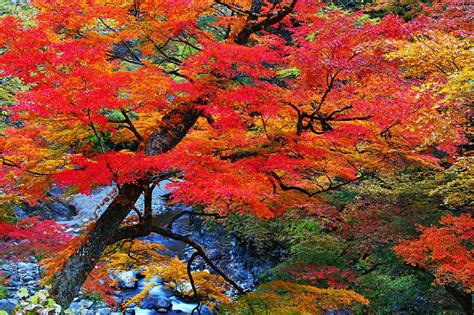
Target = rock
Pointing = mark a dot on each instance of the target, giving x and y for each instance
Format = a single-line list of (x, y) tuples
[(215, 255), (243, 274), (7, 305), (129, 311), (127, 280), (87, 303), (104, 311), (162, 303), (159, 304), (23, 265), (61, 211), (159, 291), (54, 210)]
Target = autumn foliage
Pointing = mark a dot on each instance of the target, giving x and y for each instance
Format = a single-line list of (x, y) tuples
[(280, 297), (265, 108), (446, 251), (31, 236), (340, 99)]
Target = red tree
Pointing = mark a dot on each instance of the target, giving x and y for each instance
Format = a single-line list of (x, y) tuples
[(255, 107)]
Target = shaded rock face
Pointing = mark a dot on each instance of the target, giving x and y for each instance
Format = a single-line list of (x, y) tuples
[(240, 263), (128, 280), (54, 210), (160, 304), (20, 275)]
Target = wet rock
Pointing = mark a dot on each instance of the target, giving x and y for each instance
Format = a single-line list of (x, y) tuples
[(8, 305), (160, 304), (128, 280), (104, 311), (53, 210), (87, 303), (159, 291)]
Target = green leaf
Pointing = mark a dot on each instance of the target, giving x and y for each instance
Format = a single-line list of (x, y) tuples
[(22, 293), (43, 295)]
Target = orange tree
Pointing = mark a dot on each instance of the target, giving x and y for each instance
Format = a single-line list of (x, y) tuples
[(446, 252), (257, 106)]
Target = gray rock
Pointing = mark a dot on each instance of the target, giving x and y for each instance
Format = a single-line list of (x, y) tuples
[(215, 255), (87, 303), (159, 291), (159, 304), (62, 211), (23, 266), (129, 311), (127, 280), (7, 305), (54, 210), (243, 274), (104, 311)]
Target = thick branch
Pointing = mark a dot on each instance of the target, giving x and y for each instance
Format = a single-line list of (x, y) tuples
[(175, 125), (199, 250), (252, 26), (190, 274), (192, 213), (132, 128), (308, 193)]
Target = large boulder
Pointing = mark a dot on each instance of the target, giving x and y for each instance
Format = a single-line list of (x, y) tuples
[(159, 291), (128, 280), (53, 210), (160, 304)]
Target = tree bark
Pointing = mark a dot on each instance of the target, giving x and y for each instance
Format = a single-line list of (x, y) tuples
[(173, 128), (67, 283), (252, 25), (464, 299)]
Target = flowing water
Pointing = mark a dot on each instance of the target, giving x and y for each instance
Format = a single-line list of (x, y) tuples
[(91, 206)]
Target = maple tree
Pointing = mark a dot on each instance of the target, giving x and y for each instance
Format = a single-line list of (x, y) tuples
[(256, 106), (280, 297), (447, 253), (33, 236)]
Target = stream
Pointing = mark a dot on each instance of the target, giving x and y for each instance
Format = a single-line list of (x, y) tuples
[(239, 263), (160, 300)]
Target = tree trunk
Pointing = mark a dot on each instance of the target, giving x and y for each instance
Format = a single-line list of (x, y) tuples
[(464, 299), (174, 126), (67, 283)]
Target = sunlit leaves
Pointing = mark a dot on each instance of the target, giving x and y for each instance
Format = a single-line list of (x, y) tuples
[(281, 297), (446, 251)]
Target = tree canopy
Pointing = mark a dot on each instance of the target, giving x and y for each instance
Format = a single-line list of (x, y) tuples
[(271, 109)]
